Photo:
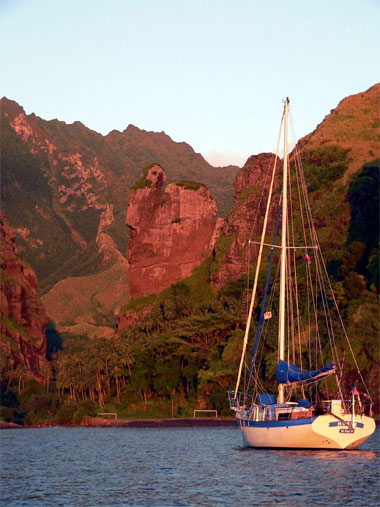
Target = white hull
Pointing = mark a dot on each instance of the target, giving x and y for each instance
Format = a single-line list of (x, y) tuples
[(322, 432), (273, 421)]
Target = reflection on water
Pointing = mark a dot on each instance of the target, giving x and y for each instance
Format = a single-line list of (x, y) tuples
[(322, 454), (320, 477), (177, 466)]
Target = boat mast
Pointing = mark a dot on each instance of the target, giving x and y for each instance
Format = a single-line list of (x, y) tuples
[(253, 296), (281, 327)]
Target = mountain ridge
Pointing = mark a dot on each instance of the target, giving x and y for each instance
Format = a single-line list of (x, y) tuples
[(68, 196), (85, 174), (74, 193)]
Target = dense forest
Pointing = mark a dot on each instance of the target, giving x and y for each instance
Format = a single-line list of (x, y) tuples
[(65, 192), (183, 354)]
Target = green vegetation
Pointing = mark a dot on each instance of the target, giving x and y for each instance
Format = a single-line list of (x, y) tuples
[(136, 305), (323, 166), (185, 347), (143, 182), (119, 232), (85, 221), (184, 352), (222, 246), (363, 196), (161, 359), (190, 185), (29, 204), (254, 189)]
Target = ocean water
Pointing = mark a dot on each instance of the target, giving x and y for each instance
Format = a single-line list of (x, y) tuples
[(177, 466)]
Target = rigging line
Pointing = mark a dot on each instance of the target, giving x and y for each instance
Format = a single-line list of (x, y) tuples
[(292, 247), (310, 285), (298, 316), (312, 231), (261, 318), (266, 328), (331, 290), (267, 322), (264, 185), (302, 192), (329, 325), (282, 311), (247, 307), (288, 290), (296, 277), (273, 164), (292, 278), (319, 342), (289, 311), (253, 296), (318, 346), (303, 209), (249, 273)]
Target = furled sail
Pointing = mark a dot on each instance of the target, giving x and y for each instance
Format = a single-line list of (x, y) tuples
[(289, 372)]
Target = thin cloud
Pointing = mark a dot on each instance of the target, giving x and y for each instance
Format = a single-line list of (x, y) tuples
[(224, 158)]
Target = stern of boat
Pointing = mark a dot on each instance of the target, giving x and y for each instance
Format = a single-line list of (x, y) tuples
[(344, 432)]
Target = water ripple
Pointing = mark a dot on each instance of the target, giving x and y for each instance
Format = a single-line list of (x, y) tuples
[(177, 467)]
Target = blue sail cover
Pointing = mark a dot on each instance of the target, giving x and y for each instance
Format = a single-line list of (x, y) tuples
[(289, 372)]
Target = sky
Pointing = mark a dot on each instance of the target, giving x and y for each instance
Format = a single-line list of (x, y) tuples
[(212, 73)]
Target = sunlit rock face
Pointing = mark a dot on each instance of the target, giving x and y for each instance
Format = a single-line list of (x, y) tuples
[(23, 317), (171, 231), (251, 186)]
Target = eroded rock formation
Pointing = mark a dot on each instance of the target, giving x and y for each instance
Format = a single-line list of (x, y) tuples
[(171, 231), (23, 317), (251, 186)]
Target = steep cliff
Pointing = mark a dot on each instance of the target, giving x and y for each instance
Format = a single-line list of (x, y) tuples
[(353, 126), (23, 317), (73, 184), (333, 156), (171, 231), (245, 221), (65, 192), (58, 192)]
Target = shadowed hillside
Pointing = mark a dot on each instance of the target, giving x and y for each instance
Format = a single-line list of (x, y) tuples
[(65, 188), (66, 191)]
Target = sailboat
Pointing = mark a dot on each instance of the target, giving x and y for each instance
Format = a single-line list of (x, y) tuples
[(311, 409)]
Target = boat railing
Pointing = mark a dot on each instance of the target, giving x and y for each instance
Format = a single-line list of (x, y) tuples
[(239, 401), (344, 407)]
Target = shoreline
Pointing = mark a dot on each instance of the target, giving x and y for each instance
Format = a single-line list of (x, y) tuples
[(185, 422), (101, 422)]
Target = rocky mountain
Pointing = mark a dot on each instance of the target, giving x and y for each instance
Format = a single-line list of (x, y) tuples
[(251, 186), (333, 156), (59, 195), (140, 148), (65, 186), (23, 317), (353, 127), (65, 189), (171, 231), (209, 306), (152, 255)]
